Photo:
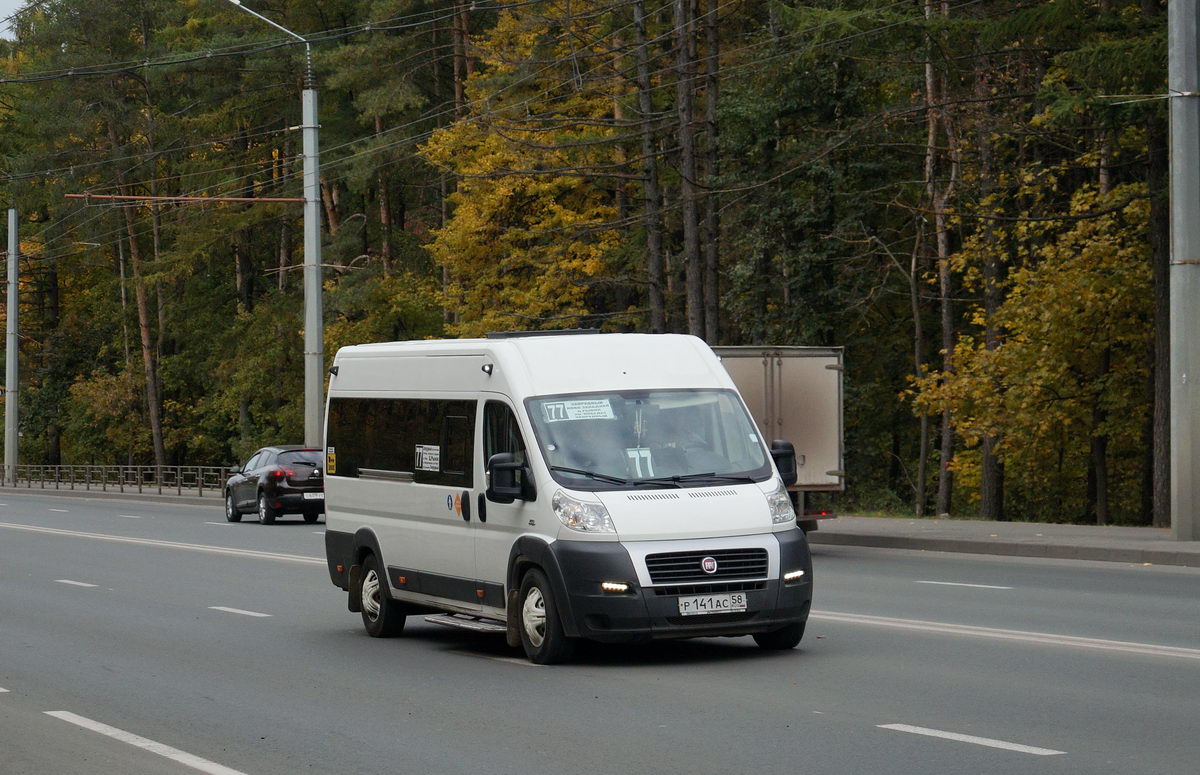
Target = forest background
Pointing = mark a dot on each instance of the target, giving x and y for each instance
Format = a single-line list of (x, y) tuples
[(968, 195)]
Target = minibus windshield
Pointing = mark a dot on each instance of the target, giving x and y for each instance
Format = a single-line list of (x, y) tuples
[(644, 438)]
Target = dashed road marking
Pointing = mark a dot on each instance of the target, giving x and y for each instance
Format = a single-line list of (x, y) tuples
[(237, 611), (2, 689), (960, 584), (129, 516), (61, 511), (987, 741), (166, 751), (507, 660), (76, 583), (219, 524)]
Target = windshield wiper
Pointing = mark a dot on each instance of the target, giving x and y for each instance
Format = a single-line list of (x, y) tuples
[(698, 477), (590, 474), (615, 479)]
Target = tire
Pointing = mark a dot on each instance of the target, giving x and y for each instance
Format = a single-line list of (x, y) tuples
[(231, 510), (311, 518), (266, 512), (787, 637), (541, 628), (382, 616)]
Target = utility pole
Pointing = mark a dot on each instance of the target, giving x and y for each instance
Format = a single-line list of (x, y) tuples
[(314, 333), (1183, 84), (11, 392)]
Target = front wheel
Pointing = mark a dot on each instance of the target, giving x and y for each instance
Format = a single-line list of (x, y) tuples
[(231, 510), (787, 637), (382, 616), (266, 512), (541, 628)]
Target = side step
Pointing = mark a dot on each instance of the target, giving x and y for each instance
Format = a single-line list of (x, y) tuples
[(465, 622)]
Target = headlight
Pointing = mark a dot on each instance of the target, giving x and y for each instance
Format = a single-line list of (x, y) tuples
[(584, 516), (780, 504)]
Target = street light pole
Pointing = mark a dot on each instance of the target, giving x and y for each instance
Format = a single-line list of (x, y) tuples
[(314, 334), (11, 355)]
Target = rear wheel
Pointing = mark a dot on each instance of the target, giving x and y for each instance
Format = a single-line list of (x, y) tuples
[(382, 616), (266, 512), (785, 638), (231, 510), (541, 628), (310, 518)]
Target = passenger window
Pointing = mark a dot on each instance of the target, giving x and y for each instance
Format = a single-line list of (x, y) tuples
[(430, 439), (252, 462)]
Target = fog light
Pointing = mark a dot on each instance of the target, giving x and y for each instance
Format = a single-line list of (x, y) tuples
[(614, 586), (795, 575)]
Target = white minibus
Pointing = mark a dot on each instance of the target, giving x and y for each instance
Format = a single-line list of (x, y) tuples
[(557, 486)]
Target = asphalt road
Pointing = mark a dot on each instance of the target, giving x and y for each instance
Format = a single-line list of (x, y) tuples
[(151, 638)]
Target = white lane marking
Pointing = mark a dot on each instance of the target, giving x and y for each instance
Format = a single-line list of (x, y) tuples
[(237, 611), (2, 689), (76, 583), (168, 544), (319, 532), (219, 524), (129, 516), (989, 742), (1148, 649), (61, 511), (508, 660), (960, 584), (166, 751)]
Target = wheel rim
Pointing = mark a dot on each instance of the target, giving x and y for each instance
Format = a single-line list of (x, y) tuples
[(370, 595), (533, 616), (229, 505), (262, 508)]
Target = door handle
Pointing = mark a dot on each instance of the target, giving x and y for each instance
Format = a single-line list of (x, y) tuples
[(482, 508), (465, 500)]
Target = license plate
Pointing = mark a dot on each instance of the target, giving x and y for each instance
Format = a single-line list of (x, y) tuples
[(731, 603), (314, 496)]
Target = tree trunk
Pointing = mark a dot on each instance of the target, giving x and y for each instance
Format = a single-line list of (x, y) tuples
[(991, 496), (149, 363), (712, 224), (650, 189), (684, 87), (1160, 250)]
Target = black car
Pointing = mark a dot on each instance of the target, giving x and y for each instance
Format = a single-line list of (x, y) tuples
[(285, 479)]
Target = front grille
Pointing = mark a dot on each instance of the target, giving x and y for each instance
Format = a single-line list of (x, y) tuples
[(685, 567), (710, 589)]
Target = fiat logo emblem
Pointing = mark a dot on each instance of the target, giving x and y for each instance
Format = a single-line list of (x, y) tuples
[(709, 565)]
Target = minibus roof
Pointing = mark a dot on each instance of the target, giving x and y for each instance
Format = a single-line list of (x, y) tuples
[(532, 364)]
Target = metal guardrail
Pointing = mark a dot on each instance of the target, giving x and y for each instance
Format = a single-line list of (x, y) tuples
[(164, 480)]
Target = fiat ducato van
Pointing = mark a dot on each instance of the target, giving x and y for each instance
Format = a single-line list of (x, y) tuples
[(559, 486)]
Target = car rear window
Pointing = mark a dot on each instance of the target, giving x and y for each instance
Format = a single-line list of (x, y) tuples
[(307, 457)]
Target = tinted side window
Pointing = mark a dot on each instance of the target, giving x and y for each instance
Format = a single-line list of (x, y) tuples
[(252, 463), (428, 438), (501, 433)]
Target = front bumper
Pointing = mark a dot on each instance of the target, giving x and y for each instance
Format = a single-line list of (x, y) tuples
[(649, 613)]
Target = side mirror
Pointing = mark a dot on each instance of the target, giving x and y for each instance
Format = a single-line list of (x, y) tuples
[(235, 469), (508, 479), (784, 455)]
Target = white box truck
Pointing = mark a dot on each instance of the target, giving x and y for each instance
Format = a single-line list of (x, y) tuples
[(795, 393), (559, 486)]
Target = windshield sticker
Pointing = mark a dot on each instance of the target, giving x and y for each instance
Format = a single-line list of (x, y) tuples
[(331, 461), (639, 461), (429, 457), (590, 409)]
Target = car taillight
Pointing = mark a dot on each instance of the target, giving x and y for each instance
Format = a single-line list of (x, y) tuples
[(281, 473)]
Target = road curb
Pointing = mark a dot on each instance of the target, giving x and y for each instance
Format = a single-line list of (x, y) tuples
[(1152, 556)]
